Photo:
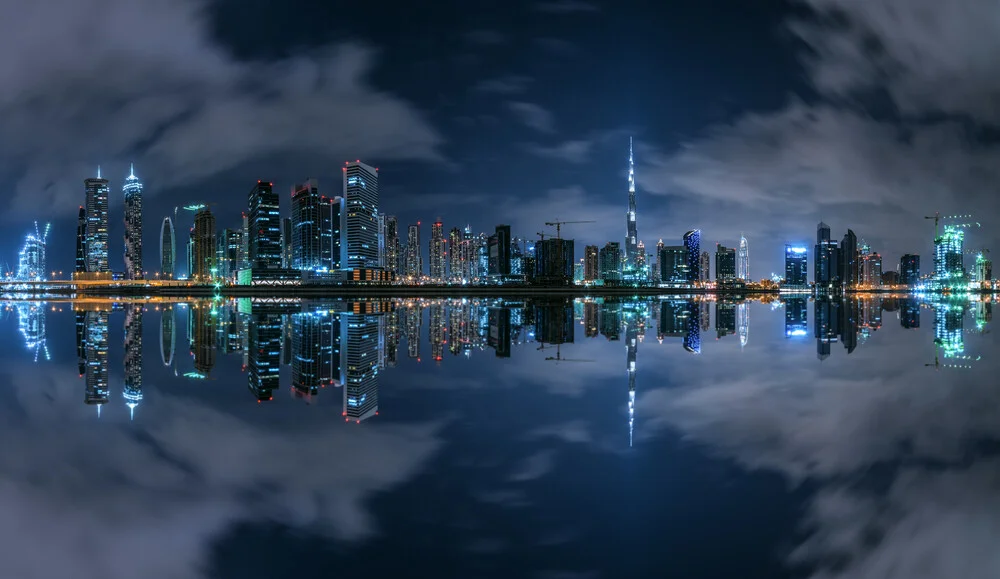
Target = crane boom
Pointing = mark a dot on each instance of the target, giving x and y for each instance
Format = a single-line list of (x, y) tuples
[(558, 225)]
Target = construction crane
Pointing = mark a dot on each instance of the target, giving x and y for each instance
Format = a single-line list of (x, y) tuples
[(558, 225), (541, 236), (937, 219), (558, 357)]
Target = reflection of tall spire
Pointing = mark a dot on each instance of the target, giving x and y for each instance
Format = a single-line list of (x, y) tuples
[(631, 235), (168, 335), (132, 392), (743, 322), (631, 347)]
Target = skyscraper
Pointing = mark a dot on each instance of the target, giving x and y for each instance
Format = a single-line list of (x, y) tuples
[(132, 190), (984, 268), (796, 267), (97, 223), (692, 243), (725, 263), (909, 269), (264, 354), (872, 270), (168, 248), (286, 242), (849, 266), (454, 254), (743, 260), (359, 340), (227, 257), (203, 250), (414, 265), (392, 255), (264, 225), (307, 224), (554, 261), (499, 251), (361, 219), (825, 258), (631, 236), (436, 252), (705, 267), (81, 241), (949, 257), (610, 262), (338, 250), (673, 264), (31, 259), (591, 269)]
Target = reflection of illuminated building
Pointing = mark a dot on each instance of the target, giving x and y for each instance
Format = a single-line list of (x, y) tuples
[(796, 318), (499, 334), (826, 320), (81, 341), (168, 335), (264, 354), (455, 324), (359, 365), (96, 375), (414, 319), (611, 321), (590, 326), (392, 335), (436, 329), (631, 350), (673, 322), (743, 322), (909, 313), (203, 318), (31, 324), (132, 392), (692, 339), (314, 337), (948, 327), (725, 319), (228, 331), (554, 322)]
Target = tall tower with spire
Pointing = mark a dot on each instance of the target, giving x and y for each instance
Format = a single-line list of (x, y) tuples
[(96, 208), (631, 236), (743, 260), (132, 189)]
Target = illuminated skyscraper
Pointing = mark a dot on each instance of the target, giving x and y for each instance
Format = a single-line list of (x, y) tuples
[(849, 262), (692, 244), (984, 268), (414, 264), (96, 378), (436, 252), (454, 252), (591, 266), (872, 270), (31, 261), (228, 243), (673, 264), (499, 247), (81, 241), (97, 223), (132, 190), (631, 235), (796, 266), (725, 263), (909, 269), (361, 220), (168, 248), (609, 262), (704, 267), (307, 225), (949, 258), (203, 249), (392, 250), (743, 260), (286, 241), (132, 392), (826, 257), (264, 225)]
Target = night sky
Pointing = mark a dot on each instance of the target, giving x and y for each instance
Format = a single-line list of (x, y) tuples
[(759, 117)]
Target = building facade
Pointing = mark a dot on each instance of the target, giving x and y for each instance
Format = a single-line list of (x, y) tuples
[(725, 263), (909, 269), (414, 264), (361, 219), (591, 266), (796, 266), (97, 224), (610, 262), (743, 259), (168, 248), (132, 190), (692, 244), (81, 241), (436, 263), (264, 247), (673, 264), (203, 249)]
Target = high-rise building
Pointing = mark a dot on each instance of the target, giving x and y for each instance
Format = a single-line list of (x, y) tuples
[(725, 263), (657, 273), (500, 252), (609, 262), (361, 215), (591, 267), (743, 260), (264, 224), (132, 190), (97, 223), (286, 242), (436, 252), (631, 234), (949, 255), (132, 391), (909, 269), (168, 248), (360, 354), (692, 244), (245, 237), (228, 252), (338, 250), (984, 268), (202, 325), (190, 254), (307, 247), (673, 264), (872, 263), (329, 246), (31, 261), (554, 261), (414, 265), (81, 241), (203, 249), (825, 257), (96, 359), (705, 267), (849, 265), (393, 257), (796, 266), (455, 254)]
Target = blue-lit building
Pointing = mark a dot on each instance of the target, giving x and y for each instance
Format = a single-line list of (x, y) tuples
[(825, 258), (132, 190), (264, 354), (168, 248), (609, 262), (692, 245), (307, 221), (796, 321), (97, 390), (264, 227), (97, 223), (673, 264), (361, 217), (909, 269), (315, 339), (360, 339), (796, 266)]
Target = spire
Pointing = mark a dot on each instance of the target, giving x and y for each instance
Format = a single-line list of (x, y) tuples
[(98, 171), (131, 170), (631, 168)]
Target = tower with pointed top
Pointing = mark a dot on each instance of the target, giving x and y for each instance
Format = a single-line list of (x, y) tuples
[(96, 208), (132, 189), (631, 236), (743, 260)]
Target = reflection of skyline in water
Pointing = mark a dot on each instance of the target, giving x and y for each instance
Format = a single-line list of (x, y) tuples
[(346, 345)]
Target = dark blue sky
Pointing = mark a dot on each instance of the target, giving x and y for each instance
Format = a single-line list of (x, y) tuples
[(762, 118)]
